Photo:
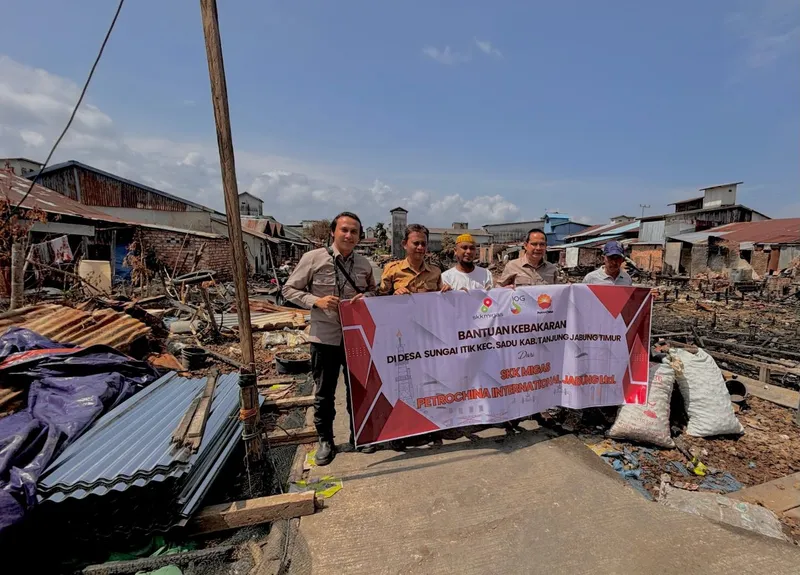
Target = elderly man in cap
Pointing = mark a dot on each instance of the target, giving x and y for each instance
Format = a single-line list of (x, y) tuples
[(611, 273), (466, 275)]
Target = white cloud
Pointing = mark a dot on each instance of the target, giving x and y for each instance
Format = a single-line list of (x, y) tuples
[(770, 30), (447, 56), (35, 105), (189, 102), (486, 47), (31, 138), (298, 196)]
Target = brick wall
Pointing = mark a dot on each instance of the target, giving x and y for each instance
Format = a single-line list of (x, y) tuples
[(217, 253), (779, 285), (590, 257), (648, 257), (759, 260), (699, 259)]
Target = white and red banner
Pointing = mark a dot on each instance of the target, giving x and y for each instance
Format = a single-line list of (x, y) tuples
[(425, 362)]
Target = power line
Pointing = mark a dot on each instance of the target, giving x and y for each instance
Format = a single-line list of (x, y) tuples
[(72, 115)]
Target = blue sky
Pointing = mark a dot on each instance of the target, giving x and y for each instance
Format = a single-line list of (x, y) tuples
[(455, 109)]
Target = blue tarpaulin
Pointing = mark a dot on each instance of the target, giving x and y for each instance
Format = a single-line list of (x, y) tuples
[(69, 388)]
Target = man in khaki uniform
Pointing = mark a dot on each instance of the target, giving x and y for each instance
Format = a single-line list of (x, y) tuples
[(322, 279), (529, 270), (532, 268), (413, 274)]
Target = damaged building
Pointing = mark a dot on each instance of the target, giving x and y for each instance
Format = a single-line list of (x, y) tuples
[(584, 250), (716, 207), (743, 252)]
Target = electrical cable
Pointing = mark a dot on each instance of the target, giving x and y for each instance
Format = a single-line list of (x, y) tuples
[(71, 117)]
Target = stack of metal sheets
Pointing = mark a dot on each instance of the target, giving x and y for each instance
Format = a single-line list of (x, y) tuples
[(123, 474)]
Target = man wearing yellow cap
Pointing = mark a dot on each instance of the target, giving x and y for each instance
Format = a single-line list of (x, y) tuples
[(466, 275)]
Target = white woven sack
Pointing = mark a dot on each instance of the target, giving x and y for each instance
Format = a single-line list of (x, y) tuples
[(705, 395), (649, 423)]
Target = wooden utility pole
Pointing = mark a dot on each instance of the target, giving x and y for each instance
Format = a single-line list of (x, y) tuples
[(251, 433), (17, 275)]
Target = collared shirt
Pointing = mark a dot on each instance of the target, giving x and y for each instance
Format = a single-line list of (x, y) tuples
[(599, 276), (401, 274), (317, 276), (521, 273)]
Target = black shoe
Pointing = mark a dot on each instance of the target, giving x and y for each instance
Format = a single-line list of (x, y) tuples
[(367, 449), (325, 452)]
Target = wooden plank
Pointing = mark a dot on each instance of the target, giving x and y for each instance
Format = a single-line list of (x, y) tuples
[(179, 435), (276, 381), (281, 437), (194, 434), (290, 402), (248, 512), (779, 495), (777, 368), (772, 393)]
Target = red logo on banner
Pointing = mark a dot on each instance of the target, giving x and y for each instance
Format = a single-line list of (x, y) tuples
[(544, 301)]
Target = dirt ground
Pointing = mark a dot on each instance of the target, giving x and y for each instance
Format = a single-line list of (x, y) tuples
[(769, 449)]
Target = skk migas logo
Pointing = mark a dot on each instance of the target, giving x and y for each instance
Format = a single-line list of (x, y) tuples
[(487, 309)]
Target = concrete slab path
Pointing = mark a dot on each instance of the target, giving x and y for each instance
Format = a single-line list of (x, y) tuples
[(529, 503)]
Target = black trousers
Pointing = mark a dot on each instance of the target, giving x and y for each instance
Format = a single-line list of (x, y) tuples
[(327, 362)]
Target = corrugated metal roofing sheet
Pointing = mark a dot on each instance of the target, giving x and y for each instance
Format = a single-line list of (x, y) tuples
[(781, 231), (692, 237), (68, 325), (14, 187), (599, 240), (130, 446), (784, 231), (266, 320), (140, 189), (607, 229)]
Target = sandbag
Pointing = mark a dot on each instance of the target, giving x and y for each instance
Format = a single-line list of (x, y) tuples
[(649, 423), (708, 403)]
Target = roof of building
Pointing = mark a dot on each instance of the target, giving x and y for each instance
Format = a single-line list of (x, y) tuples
[(605, 229), (458, 232), (266, 225), (690, 200), (398, 209), (571, 223), (529, 224), (252, 196), (557, 215), (588, 243), (712, 209), (22, 159), (162, 227), (784, 231), (14, 187), (74, 163), (720, 186)]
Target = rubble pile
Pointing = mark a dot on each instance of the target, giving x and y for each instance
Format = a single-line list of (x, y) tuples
[(151, 456)]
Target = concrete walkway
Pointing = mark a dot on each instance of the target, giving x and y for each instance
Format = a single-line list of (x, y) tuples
[(525, 504)]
